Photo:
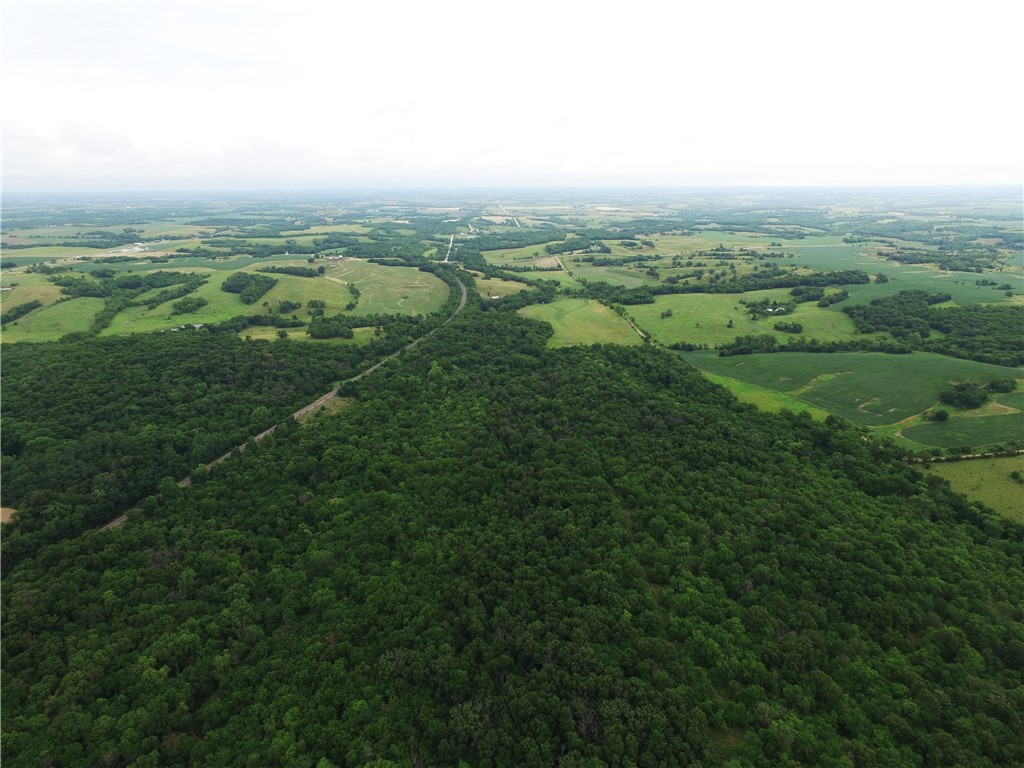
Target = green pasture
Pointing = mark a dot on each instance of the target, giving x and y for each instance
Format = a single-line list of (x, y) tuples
[(582, 321), (987, 481), (25, 287), (488, 287), (514, 255), (868, 388), (52, 322), (402, 290), (703, 318), (46, 252), (266, 333), (630, 277), (326, 229)]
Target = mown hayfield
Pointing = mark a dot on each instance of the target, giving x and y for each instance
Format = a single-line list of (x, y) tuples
[(25, 287), (516, 255), (865, 387), (630, 277), (975, 431), (385, 290), (987, 481), (45, 252), (52, 322), (582, 321), (398, 290), (703, 318), (494, 286)]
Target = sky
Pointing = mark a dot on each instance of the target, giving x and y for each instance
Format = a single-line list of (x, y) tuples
[(125, 96)]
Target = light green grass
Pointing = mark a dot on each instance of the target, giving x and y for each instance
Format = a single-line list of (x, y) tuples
[(515, 255), (25, 287), (766, 399), (703, 318), (987, 481), (582, 321), (628, 276), (52, 322), (868, 388), (488, 287), (260, 332)]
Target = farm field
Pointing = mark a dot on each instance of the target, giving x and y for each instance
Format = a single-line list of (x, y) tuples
[(520, 256), (976, 432), (51, 322), (630, 277), (383, 290), (703, 318), (497, 287), (867, 388), (987, 481), (764, 398), (582, 321)]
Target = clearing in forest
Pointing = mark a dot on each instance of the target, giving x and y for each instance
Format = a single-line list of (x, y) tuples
[(582, 321)]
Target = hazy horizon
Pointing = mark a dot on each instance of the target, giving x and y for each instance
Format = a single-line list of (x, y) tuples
[(162, 97)]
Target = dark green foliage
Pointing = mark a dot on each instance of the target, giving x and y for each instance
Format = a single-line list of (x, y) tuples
[(19, 311), (965, 395), (249, 286), (188, 304), (290, 270), (988, 334), (507, 556), (789, 327), (91, 426)]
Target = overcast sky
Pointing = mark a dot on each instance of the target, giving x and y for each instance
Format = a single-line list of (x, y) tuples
[(299, 95)]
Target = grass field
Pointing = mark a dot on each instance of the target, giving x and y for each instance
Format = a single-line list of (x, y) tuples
[(865, 387), (987, 481), (361, 335), (52, 322), (515, 255), (582, 321), (630, 277), (385, 290), (703, 318), (497, 287)]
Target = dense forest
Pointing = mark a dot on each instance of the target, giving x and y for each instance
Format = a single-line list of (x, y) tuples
[(505, 555)]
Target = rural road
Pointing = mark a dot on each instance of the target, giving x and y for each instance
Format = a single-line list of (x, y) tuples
[(306, 409), (451, 240)]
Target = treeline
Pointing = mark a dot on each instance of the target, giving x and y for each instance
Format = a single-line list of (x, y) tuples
[(986, 333), (750, 282), (293, 270), (593, 546), (15, 313)]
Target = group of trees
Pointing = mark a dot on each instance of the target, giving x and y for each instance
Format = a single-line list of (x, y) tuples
[(250, 287), (507, 555), (986, 333)]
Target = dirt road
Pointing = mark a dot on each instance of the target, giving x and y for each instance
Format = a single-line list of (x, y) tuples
[(306, 409)]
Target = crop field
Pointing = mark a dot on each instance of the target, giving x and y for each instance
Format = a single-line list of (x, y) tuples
[(975, 431), (52, 322), (766, 399), (987, 481), (703, 318), (582, 321), (868, 388)]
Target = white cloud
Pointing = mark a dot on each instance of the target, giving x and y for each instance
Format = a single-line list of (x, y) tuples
[(232, 94)]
